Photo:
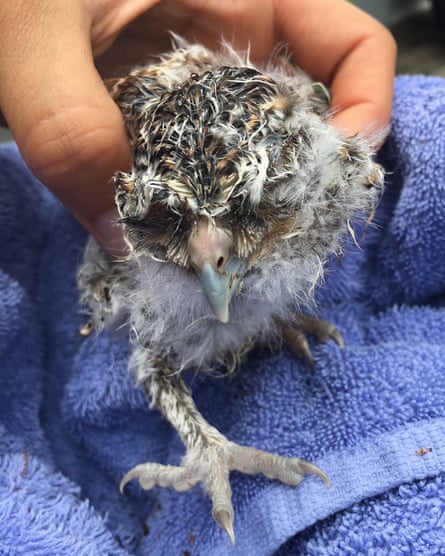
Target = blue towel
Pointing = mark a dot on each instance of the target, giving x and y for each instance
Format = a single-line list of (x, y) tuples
[(371, 415)]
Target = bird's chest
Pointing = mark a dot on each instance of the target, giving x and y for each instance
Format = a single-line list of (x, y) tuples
[(170, 316)]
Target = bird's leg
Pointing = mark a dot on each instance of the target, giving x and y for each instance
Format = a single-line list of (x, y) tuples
[(210, 456), (323, 330)]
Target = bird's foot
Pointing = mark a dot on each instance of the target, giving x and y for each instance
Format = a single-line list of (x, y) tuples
[(323, 330), (211, 466)]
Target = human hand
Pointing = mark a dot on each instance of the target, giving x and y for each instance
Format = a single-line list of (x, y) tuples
[(71, 133)]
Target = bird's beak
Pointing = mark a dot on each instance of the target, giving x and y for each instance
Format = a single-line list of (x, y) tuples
[(220, 273), (219, 287)]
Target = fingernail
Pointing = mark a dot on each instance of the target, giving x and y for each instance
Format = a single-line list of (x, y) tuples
[(110, 234)]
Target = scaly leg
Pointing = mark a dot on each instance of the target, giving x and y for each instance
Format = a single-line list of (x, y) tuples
[(210, 456)]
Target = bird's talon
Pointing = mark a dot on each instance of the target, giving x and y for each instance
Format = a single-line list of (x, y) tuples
[(308, 467), (323, 330), (134, 473), (221, 458), (337, 337), (224, 518), (125, 479)]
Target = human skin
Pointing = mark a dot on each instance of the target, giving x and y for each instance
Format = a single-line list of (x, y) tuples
[(54, 55)]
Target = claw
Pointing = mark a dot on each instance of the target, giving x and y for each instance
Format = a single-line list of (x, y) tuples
[(224, 519), (220, 492), (135, 473), (321, 329), (126, 479), (211, 466), (337, 337), (297, 341), (289, 471), (308, 467)]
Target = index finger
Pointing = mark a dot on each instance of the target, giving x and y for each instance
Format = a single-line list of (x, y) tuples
[(348, 50)]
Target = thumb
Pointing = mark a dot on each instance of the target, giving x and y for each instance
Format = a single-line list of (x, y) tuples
[(68, 129)]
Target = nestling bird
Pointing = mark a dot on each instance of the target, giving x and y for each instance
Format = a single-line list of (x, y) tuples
[(240, 189)]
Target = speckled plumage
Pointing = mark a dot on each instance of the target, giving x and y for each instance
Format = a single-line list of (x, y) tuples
[(237, 172)]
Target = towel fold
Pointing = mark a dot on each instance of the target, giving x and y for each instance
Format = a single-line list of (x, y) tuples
[(372, 416)]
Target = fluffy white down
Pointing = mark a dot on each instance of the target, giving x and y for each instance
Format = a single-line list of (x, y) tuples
[(181, 324)]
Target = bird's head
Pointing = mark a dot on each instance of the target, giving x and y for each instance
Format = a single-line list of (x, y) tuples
[(224, 169)]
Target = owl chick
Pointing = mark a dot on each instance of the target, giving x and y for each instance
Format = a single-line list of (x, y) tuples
[(240, 189)]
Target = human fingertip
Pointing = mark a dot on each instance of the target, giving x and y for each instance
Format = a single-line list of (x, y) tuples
[(365, 120), (108, 231)]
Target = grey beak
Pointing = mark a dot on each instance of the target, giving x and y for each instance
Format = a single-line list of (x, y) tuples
[(219, 287)]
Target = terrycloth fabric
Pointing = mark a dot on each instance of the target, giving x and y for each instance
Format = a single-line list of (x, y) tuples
[(372, 416)]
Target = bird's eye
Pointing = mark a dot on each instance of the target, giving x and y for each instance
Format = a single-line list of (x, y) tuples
[(247, 228), (150, 232), (161, 234), (153, 222)]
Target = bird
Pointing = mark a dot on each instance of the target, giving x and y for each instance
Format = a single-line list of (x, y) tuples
[(239, 192)]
